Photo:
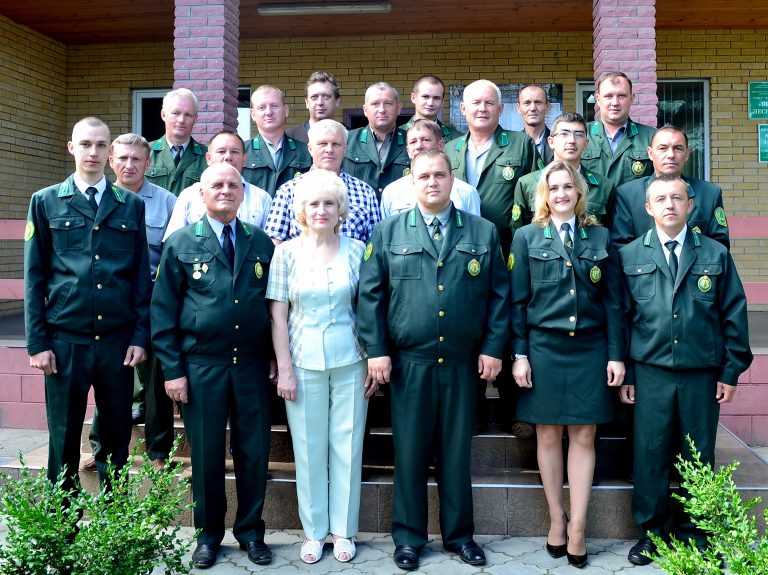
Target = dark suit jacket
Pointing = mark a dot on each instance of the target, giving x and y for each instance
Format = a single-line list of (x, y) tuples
[(260, 170)]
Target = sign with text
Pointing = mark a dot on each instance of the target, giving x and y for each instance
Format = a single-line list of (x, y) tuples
[(762, 143), (758, 100)]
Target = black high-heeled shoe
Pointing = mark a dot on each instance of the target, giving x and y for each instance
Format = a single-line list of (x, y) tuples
[(578, 561), (557, 551)]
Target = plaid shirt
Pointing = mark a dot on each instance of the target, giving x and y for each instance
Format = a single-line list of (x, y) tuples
[(362, 217)]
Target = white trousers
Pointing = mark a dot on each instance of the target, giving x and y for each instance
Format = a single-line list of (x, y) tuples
[(327, 422)]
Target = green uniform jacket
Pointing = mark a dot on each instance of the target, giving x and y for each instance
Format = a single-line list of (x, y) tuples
[(630, 220), (429, 309), (512, 155), (699, 322), (547, 154), (448, 132), (600, 198), (164, 173), (631, 159), (362, 159), (551, 290), (204, 313), (260, 170), (85, 280)]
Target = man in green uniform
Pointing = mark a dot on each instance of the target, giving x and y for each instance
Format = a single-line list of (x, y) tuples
[(272, 158), (493, 160), (211, 332), (86, 301), (689, 344), (431, 335), (568, 141), (533, 107), (322, 98), (617, 145), (177, 160), (669, 152), (376, 154), (428, 97)]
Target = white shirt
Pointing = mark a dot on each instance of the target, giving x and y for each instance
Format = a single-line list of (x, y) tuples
[(565, 236), (399, 196), (100, 186), (190, 208), (679, 238)]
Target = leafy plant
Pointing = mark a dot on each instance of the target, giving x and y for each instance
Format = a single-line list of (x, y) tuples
[(129, 527), (715, 507)]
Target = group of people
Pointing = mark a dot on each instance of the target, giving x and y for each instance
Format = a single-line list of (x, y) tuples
[(324, 263)]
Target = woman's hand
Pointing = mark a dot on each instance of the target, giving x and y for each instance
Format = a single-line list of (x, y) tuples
[(370, 386), (616, 372), (521, 371), (286, 384)]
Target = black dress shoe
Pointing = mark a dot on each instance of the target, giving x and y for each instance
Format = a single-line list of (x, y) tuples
[(258, 552), (557, 551), (137, 416), (578, 561), (205, 555), (636, 555), (470, 552), (406, 557)]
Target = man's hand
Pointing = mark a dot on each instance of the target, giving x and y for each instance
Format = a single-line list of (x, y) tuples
[(615, 371), (488, 367), (178, 389), (725, 392), (273, 371), (627, 394), (45, 361), (380, 369), (135, 355)]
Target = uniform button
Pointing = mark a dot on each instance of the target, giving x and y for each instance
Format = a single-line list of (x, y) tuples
[(440, 360), (234, 349), (440, 264), (98, 286), (594, 257), (97, 257), (639, 270), (674, 315), (675, 341), (237, 327), (99, 317), (473, 251), (405, 250), (572, 319), (568, 264), (97, 338), (234, 360), (544, 254), (333, 307), (333, 321), (123, 226), (441, 313), (96, 228), (571, 333), (441, 287), (237, 301), (571, 292), (441, 338), (197, 259), (66, 224)]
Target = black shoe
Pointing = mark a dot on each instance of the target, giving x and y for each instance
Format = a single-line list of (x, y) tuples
[(205, 555), (578, 561), (258, 552), (636, 553), (137, 416), (470, 552), (406, 557), (557, 551)]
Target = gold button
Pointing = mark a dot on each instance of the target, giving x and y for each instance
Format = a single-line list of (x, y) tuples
[(440, 264), (568, 264), (97, 338), (237, 301), (572, 292), (674, 315), (96, 228), (441, 338), (544, 254), (639, 270), (440, 360), (675, 341), (572, 319), (441, 287), (594, 257), (97, 257), (66, 224), (98, 286), (405, 250), (441, 313), (571, 333), (99, 317)]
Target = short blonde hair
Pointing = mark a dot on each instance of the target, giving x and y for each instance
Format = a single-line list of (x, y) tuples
[(542, 215), (311, 185)]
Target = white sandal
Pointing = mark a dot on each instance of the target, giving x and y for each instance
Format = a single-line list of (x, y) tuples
[(341, 546), (312, 548)]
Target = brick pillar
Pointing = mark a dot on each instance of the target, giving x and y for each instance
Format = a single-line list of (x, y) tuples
[(624, 39), (206, 60)]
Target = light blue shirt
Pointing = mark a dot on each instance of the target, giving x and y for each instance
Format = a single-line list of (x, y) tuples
[(218, 229), (476, 160), (158, 206)]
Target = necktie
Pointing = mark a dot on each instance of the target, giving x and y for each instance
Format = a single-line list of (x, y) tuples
[(671, 245), (434, 232), (229, 248), (91, 192), (567, 241), (177, 151)]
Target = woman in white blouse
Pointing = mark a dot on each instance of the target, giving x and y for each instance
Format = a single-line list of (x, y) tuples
[(321, 363)]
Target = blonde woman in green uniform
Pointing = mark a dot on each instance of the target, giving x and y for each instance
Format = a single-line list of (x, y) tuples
[(569, 340)]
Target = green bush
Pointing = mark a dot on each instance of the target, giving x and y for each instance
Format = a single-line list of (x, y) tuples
[(129, 528), (715, 507)]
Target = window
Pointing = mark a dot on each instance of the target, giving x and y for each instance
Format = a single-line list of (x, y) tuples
[(682, 103)]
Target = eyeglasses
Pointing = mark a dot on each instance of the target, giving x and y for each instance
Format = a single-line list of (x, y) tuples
[(567, 134)]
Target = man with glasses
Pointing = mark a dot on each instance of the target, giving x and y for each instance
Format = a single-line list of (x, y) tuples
[(376, 154), (568, 140)]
